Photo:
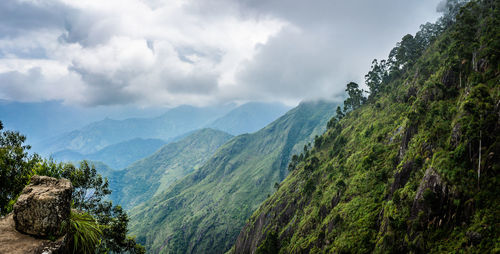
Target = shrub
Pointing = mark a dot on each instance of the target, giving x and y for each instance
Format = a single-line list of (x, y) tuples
[(85, 232)]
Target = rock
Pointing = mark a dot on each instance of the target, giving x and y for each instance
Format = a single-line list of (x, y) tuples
[(13, 242), (437, 194), (43, 206), (402, 177)]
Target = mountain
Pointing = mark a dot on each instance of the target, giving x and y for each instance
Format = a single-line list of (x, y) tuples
[(414, 170), (96, 136), (102, 169), (203, 212), (143, 179), (249, 117), (41, 120), (117, 156)]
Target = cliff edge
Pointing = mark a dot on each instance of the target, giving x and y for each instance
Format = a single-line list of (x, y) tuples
[(36, 224)]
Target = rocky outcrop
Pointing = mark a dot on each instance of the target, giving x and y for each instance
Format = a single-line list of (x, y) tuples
[(43, 206), (36, 224), (14, 242)]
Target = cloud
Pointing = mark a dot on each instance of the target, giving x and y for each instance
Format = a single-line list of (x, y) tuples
[(17, 17), (152, 52), (31, 82), (327, 46)]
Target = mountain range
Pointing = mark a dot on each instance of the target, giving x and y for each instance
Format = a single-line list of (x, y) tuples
[(150, 176), (203, 212), (116, 156), (170, 126)]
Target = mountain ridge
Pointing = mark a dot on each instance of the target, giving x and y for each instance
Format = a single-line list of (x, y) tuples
[(213, 202), (406, 172)]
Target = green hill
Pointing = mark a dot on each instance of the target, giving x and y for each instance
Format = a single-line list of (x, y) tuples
[(204, 212), (413, 170), (142, 179)]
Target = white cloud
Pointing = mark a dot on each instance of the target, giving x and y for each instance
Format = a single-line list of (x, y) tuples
[(152, 52)]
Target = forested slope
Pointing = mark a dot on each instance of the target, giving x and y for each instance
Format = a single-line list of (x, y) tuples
[(204, 212), (412, 168), (140, 181)]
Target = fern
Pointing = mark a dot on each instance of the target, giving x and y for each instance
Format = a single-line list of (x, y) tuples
[(85, 231)]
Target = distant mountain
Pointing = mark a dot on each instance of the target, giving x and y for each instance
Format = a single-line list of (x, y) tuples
[(117, 156), (42, 120), (249, 117), (149, 176), (204, 212), (98, 135), (102, 168)]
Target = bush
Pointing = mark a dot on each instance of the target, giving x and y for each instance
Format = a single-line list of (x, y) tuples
[(85, 232)]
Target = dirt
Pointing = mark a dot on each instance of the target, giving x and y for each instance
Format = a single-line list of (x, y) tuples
[(13, 242)]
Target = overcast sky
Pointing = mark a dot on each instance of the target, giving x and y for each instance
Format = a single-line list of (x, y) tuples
[(173, 52)]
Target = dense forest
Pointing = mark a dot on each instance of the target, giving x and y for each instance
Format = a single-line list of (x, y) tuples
[(412, 167)]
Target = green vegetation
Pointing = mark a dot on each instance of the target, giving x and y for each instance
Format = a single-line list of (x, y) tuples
[(152, 175), (203, 212), (95, 225), (413, 169), (15, 167), (86, 233)]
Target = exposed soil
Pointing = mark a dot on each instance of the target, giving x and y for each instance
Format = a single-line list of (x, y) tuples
[(13, 242)]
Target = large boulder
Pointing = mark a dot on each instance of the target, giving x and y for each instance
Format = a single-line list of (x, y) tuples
[(43, 206)]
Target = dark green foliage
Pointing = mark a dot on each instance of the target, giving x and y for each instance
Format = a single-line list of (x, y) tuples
[(405, 53), (355, 97), (271, 244), (115, 232), (15, 167), (86, 233), (416, 168), (339, 113), (90, 191), (96, 224), (375, 78)]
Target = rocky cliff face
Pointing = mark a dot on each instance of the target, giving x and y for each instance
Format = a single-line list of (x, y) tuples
[(38, 216)]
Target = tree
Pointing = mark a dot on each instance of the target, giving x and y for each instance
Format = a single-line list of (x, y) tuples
[(355, 97), (339, 113), (90, 189), (375, 77), (15, 167), (404, 54)]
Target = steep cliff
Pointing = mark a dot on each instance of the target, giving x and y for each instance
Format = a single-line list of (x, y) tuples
[(414, 169)]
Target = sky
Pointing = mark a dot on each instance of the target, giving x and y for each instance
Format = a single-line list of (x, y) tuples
[(142, 53)]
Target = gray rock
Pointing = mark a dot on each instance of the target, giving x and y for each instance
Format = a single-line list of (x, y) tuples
[(43, 206)]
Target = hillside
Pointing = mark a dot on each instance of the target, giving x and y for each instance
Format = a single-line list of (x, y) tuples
[(118, 155), (416, 168), (249, 117), (143, 179), (98, 135), (204, 212)]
